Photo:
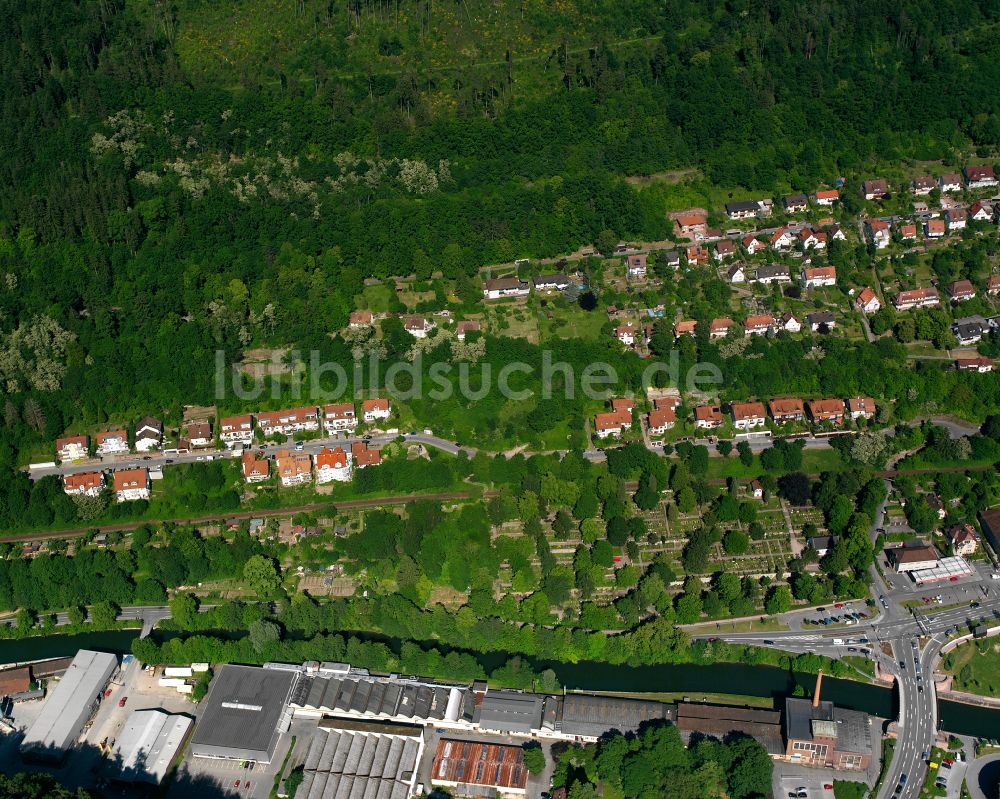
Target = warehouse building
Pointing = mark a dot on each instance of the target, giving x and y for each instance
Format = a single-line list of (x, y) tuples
[(69, 706), (353, 758), (348, 693), (719, 721), (511, 712), (246, 712), (471, 768), (588, 716), (147, 745)]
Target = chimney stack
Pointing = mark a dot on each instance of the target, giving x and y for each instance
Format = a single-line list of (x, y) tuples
[(819, 684)]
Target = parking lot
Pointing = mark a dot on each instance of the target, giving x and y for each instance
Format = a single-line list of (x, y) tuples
[(803, 786)]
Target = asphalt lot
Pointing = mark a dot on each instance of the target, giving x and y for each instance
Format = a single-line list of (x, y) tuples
[(789, 778)]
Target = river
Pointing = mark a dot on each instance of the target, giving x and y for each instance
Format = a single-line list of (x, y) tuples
[(738, 678)]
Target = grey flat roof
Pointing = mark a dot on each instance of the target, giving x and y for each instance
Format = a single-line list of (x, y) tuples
[(147, 745), (591, 715), (510, 711), (375, 696), (69, 704), (242, 711)]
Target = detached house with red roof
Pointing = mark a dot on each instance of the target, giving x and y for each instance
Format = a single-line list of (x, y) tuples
[(333, 464), (758, 325), (88, 484), (878, 232), (956, 218), (781, 239), (907, 231), (979, 177), (286, 422), (719, 328), (961, 290), (916, 298), (236, 429), (786, 409), (993, 285), (826, 410), (131, 485), (72, 448), (692, 224), (707, 417), (874, 189), (467, 326), (861, 408), (867, 301), (979, 364), (294, 468), (826, 197), (612, 423), (339, 416), (752, 245), (255, 470), (980, 211), (686, 327), (112, 442), (963, 539), (724, 249), (818, 276), (660, 420), (626, 334), (636, 265), (364, 456), (373, 409), (934, 228), (748, 415), (360, 319), (950, 183), (417, 326), (696, 254)]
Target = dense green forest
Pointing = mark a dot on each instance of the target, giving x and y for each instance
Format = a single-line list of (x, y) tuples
[(177, 178)]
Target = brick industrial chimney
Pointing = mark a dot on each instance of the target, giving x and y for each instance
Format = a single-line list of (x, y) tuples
[(819, 684)]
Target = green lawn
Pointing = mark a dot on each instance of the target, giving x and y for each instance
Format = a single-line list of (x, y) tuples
[(976, 667), (814, 461)]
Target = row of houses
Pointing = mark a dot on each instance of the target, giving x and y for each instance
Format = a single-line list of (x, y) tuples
[(958, 291), (512, 286), (760, 325), (745, 415), (809, 278), (971, 177), (128, 484), (233, 430), (749, 415), (333, 464)]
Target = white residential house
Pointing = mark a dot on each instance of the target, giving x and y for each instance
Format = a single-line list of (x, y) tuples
[(333, 464), (753, 245), (636, 266), (878, 233), (782, 239), (612, 423), (72, 448), (957, 218), (131, 484), (236, 430), (417, 326), (200, 435), (292, 420), (748, 415), (819, 276), (374, 409), (979, 177), (789, 323), (868, 301), (112, 442), (826, 197), (950, 183), (736, 274), (500, 287), (339, 416), (626, 334), (89, 484), (148, 434), (294, 468)]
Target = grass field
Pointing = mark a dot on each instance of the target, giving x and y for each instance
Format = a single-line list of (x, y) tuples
[(814, 461), (976, 667)]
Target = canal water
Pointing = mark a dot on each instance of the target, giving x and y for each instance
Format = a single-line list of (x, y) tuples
[(685, 678)]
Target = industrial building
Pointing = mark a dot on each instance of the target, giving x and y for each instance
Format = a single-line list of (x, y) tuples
[(336, 689), (820, 734), (471, 768), (147, 745), (951, 568), (590, 716), (511, 712), (719, 721), (69, 706), (349, 758), (246, 711)]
